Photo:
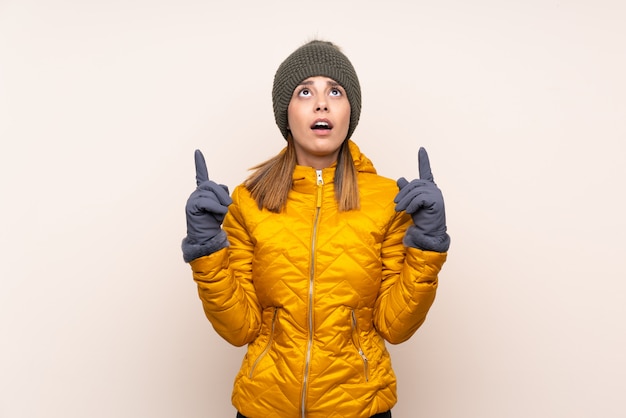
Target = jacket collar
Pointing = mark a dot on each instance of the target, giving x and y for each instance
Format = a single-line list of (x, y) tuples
[(305, 178)]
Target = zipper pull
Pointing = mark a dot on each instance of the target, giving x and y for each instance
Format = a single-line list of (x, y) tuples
[(320, 183)]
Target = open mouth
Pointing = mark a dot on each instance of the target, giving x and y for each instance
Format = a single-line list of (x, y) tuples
[(322, 124)]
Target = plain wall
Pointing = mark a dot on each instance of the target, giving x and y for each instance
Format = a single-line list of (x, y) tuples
[(521, 105)]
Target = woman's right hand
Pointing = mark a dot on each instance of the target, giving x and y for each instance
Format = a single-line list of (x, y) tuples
[(207, 205)]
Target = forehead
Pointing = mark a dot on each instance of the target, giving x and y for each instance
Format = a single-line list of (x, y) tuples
[(320, 79)]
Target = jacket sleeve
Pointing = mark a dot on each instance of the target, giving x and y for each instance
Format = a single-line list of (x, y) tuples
[(408, 287), (225, 283)]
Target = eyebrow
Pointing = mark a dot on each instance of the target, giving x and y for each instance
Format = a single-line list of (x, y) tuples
[(329, 82)]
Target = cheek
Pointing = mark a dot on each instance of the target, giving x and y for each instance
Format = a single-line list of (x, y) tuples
[(292, 116), (346, 115)]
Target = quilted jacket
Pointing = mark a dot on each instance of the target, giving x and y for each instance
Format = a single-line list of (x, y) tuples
[(315, 293)]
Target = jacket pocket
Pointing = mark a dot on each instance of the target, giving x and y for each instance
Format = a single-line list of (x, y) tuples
[(357, 344), (267, 346)]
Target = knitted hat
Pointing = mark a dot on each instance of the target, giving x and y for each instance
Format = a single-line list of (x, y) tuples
[(316, 58)]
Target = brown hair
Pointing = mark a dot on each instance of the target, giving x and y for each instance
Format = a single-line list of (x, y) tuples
[(271, 180)]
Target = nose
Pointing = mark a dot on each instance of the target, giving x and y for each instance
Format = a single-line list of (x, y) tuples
[(321, 106)]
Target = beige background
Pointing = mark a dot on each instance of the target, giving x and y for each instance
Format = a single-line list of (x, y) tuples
[(521, 105)]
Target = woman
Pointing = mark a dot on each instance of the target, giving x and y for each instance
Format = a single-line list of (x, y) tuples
[(320, 260)]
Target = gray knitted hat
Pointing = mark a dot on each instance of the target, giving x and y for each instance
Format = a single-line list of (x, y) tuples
[(316, 58)]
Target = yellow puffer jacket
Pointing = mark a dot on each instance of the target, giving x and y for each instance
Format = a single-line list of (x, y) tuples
[(314, 292)]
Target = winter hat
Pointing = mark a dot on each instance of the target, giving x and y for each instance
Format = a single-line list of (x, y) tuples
[(316, 58)]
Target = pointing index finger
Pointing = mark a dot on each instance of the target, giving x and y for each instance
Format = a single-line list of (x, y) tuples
[(424, 165), (202, 174)]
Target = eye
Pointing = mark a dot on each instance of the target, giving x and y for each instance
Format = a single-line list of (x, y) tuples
[(335, 92), (305, 92)]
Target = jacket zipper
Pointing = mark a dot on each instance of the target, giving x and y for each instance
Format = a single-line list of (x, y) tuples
[(357, 343), (318, 203), (267, 346)]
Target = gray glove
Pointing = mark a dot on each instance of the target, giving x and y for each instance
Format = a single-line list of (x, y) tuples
[(205, 210), (422, 199)]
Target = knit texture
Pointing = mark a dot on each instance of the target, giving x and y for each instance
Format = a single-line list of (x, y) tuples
[(193, 250), (416, 239), (316, 58)]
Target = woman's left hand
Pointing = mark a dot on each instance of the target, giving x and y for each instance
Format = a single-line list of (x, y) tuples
[(422, 199)]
